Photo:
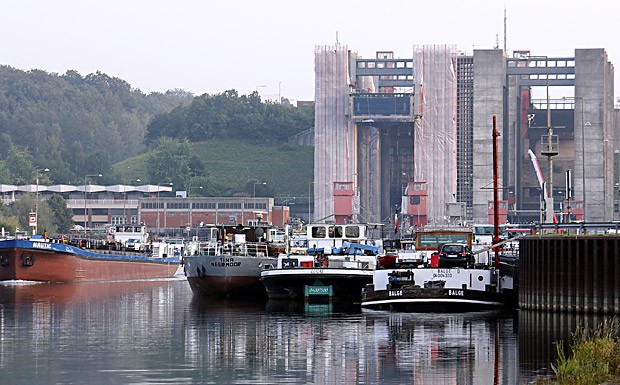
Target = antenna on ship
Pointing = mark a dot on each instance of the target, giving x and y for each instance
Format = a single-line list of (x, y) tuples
[(505, 32)]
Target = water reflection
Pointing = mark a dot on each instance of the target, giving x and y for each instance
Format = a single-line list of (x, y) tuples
[(463, 348), (539, 333), (293, 342), (100, 332), (311, 309), (157, 331)]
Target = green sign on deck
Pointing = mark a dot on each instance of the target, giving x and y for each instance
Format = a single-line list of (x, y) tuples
[(318, 290)]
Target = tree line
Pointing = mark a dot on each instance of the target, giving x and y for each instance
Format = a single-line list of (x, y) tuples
[(231, 116), (73, 124)]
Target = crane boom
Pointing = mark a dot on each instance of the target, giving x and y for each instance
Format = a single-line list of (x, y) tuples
[(541, 180)]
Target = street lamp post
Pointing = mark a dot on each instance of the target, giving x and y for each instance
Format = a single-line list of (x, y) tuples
[(583, 156), (125, 221), (255, 183), (158, 209), (309, 198), (583, 161), (36, 202), (583, 153), (253, 203), (158, 203), (85, 210), (189, 207), (548, 149)]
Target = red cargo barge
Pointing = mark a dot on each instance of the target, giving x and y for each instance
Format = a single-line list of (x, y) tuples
[(32, 260)]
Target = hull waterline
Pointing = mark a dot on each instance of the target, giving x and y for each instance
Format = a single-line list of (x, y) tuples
[(440, 290), (226, 275), (290, 284)]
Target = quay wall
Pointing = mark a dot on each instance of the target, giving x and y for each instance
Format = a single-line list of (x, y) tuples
[(578, 273)]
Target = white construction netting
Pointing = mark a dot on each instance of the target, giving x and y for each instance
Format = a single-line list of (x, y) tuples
[(434, 70)]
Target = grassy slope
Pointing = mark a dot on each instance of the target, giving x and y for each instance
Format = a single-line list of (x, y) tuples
[(286, 169)]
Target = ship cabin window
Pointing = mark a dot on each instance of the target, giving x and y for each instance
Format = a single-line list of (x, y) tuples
[(335, 232), (352, 232), (318, 232)]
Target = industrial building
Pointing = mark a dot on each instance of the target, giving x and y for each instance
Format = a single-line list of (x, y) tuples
[(412, 138), (163, 210)]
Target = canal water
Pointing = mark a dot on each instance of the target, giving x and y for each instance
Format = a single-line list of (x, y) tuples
[(157, 332)]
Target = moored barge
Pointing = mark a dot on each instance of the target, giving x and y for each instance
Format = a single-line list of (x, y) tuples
[(45, 261)]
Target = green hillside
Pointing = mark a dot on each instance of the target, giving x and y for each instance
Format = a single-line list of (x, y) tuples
[(236, 165), (77, 126)]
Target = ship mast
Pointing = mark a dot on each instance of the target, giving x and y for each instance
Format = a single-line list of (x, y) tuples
[(495, 193)]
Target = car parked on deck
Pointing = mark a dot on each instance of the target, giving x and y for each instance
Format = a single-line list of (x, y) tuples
[(134, 244), (455, 255)]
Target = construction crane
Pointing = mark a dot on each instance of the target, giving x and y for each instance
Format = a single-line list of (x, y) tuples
[(541, 181)]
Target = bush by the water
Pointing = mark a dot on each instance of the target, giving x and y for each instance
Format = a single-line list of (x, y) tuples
[(594, 357)]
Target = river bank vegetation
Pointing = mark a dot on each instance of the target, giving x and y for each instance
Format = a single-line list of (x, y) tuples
[(593, 358)]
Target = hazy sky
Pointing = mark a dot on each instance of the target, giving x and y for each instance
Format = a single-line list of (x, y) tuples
[(212, 46)]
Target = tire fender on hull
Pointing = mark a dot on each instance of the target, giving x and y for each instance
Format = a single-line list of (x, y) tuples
[(28, 260)]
